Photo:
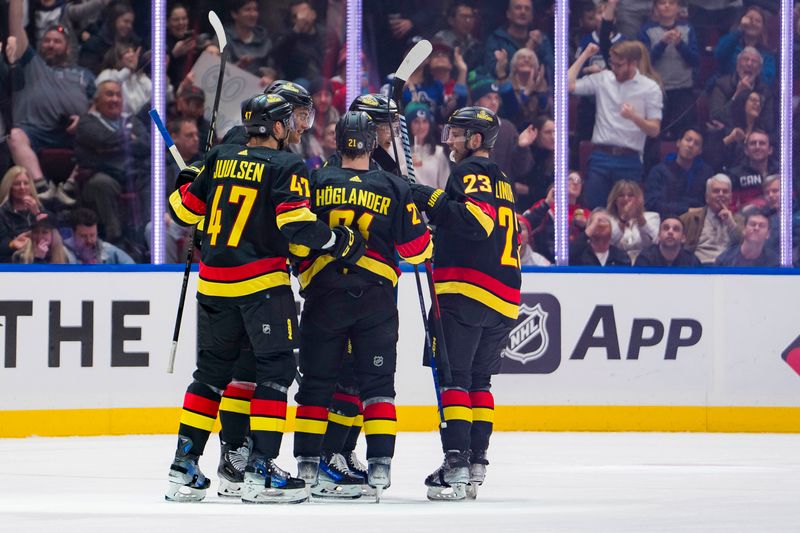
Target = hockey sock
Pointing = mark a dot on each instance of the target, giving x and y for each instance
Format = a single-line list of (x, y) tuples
[(355, 431), (458, 415), (309, 429), (380, 426), (344, 410), (268, 418), (200, 406), (482, 419), (234, 412)]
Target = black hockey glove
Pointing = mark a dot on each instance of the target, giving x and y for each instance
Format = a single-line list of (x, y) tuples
[(188, 174), (429, 200), (349, 245)]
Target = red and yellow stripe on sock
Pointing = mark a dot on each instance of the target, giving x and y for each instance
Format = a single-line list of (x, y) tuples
[(234, 411), (458, 415), (198, 415), (482, 420), (310, 424), (267, 423), (380, 427)]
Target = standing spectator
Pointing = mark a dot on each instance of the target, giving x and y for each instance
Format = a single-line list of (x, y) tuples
[(51, 96), (628, 111), (5, 100), (461, 18), (712, 18), (430, 161), (752, 31), (673, 49), (633, 229), (86, 248), (504, 41), (181, 44), (669, 251), (542, 174), (117, 28), (122, 63), (74, 16), (748, 176), (678, 183), (248, 41), (306, 50), (19, 210), (711, 229), (444, 61), (752, 252), (632, 15), (596, 249), (115, 149), (43, 246)]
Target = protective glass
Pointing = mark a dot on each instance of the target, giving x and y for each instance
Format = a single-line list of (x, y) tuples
[(383, 127), (452, 134), (303, 117)]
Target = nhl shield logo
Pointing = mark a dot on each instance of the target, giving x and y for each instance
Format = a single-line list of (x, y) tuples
[(377, 360), (529, 340), (266, 329)]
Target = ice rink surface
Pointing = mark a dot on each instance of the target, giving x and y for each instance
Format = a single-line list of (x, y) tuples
[(638, 482)]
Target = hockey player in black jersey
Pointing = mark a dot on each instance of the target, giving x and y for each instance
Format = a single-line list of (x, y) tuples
[(355, 302), (254, 201), (386, 119), (477, 277)]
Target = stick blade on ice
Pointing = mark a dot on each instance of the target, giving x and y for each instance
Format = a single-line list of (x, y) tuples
[(414, 59), (218, 29)]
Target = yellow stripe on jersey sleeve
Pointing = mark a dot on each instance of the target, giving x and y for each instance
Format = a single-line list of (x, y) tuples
[(483, 219), (301, 214), (186, 216)]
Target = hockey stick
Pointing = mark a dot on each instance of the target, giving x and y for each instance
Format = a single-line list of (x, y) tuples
[(411, 62), (223, 41), (173, 150)]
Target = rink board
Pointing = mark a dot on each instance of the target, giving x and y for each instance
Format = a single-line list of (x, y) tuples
[(85, 353)]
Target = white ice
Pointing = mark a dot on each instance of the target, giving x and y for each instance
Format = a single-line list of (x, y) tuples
[(617, 482)]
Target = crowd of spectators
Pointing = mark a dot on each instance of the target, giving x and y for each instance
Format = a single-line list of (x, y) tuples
[(672, 126)]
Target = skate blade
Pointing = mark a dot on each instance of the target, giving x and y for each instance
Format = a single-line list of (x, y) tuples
[(183, 494), (272, 495), (378, 494), (366, 490), (472, 491), (329, 490), (229, 489), (455, 492)]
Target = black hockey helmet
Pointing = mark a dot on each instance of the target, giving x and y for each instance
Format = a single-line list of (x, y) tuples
[(295, 94), (261, 112), (375, 105), (356, 134), (474, 119)]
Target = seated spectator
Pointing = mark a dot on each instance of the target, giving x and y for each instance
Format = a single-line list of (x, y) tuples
[(511, 150), (531, 94), (526, 254), (51, 96), (585, 20), (444, 61), (115, 150), (190, 104), (679, 182), (673, 49), (628, 111), (542, 174), (122, 65), (185, 135), (74, 16), (770, 204), (713, 19), (19, 209), (517, 33), (711, 229), (596, 249), (325, 113), (752, 32), (43, 247), (732, 91), (248, 42), (430, 162), (752, 252), (541, 216), (181, 44), (86, 248), (633, 229), (461, 19), (669, 252), (748, 176), (5, 101), (117, 28), (747, 115), (329, 140), (306, 49)]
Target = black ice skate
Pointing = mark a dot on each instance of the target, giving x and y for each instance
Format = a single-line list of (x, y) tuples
[(186, 482), (265, 482), (358, 469), (232, 462), (336, 480), (379, 475), (449, 481), (477, 473)]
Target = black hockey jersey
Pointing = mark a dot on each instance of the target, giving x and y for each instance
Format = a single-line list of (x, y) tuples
[(380, 205), (477, 238), (254, 202)]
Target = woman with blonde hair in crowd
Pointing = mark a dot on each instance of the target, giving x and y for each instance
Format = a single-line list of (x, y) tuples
[(43, 246), (530, 87), (633, 229), (20, 208)]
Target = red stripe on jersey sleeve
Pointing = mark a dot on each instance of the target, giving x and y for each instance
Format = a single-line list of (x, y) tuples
[(288, 206), (483, 206), (242, 272), (455, 397), (477, 278), (192, 202), (415, 247), (273, 408), (201, 405), (384, 410), (482, 399), (311, 412)]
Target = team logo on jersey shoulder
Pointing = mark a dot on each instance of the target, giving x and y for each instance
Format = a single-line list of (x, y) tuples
[(356, 179), (529, 339)]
